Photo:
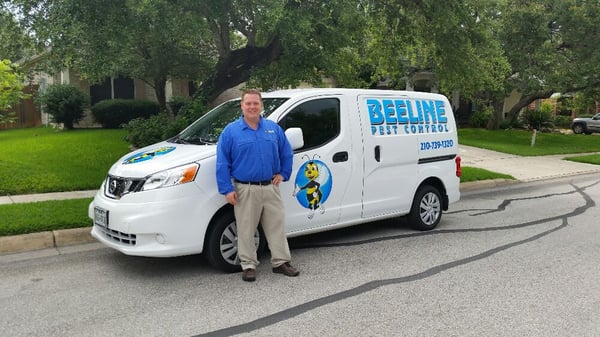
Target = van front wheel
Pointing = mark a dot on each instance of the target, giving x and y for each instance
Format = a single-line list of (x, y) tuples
[(426, 210), (221, 248)]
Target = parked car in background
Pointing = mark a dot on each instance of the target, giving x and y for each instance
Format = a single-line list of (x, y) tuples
[(586, 125)]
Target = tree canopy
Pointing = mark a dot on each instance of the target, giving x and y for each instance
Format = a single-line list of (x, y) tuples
[(551, 46), (14, 41), (482, 48)]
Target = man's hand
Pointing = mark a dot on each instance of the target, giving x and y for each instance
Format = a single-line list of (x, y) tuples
[(231, 198), (278, 178)]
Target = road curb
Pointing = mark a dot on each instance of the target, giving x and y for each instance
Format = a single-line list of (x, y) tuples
[(43, 240), (482, 184)]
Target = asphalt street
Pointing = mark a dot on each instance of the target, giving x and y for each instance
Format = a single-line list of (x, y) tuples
[(515, 260)]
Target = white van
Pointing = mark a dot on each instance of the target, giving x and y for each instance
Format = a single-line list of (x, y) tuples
[(359, 155)]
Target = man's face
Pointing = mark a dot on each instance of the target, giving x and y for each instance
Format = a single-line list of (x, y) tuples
[(251, 106)]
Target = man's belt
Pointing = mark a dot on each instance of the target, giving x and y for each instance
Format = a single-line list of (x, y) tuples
[(260, 183)]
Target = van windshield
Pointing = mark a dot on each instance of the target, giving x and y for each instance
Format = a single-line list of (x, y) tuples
[(208, 128)]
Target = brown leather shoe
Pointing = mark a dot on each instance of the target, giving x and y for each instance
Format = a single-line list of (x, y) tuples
[(286, 269), (249, 275)]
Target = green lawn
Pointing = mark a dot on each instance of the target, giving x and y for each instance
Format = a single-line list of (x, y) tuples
[(519, 142), (39, 160)]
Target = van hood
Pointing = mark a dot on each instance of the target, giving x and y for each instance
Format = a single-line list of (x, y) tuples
[(158, 157)]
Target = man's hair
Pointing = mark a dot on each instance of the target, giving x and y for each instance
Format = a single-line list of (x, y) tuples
[(251, 92)]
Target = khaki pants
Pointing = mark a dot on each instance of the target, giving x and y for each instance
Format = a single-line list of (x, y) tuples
[(260, 204)]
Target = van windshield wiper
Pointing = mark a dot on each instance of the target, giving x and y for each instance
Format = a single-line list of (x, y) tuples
[(178, 140), (193, 140)]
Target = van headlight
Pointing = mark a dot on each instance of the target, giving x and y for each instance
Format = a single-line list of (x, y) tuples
[(171, 177)]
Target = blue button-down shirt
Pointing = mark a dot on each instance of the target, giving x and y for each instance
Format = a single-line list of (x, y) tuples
[(246, 154)]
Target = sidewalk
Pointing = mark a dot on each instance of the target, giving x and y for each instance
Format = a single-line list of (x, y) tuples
[(15, 199), (523, 169)]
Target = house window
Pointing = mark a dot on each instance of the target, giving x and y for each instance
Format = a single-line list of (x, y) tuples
[(120, 87), (123, 88)]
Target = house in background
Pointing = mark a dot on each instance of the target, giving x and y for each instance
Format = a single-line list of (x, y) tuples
[(28, 114)]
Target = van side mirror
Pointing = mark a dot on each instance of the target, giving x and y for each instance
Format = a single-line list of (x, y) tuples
[(295, 137)]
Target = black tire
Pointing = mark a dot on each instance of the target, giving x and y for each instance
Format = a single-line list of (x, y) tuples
[(221, 244), (426, 210), (578, 128)]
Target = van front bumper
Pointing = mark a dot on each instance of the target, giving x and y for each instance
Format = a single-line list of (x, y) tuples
[(162, 223)]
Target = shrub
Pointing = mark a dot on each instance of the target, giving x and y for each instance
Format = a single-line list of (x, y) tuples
[(178, 102), (562, 121), (480, 119), (8, 117), (505, 125), (113, 113), (65, 103), (142, 132), (145, 131), (536, 119)]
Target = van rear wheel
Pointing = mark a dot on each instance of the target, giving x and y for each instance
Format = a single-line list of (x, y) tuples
[(221, 245), (426, 210)]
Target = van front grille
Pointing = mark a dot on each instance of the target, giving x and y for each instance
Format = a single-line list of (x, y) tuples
[(116, 187), (124, 238)]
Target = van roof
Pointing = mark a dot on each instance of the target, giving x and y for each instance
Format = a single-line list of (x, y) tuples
[(346, 91)]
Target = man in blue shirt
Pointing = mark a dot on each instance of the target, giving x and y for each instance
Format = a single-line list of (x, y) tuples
[(253, 158)]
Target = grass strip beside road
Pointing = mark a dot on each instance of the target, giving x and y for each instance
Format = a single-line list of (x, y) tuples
[(42, 216), (474, 174), (588, 159)]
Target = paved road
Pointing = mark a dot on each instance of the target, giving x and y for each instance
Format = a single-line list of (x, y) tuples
[(521, 260)]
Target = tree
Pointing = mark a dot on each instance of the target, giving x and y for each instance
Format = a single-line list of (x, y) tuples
[(483, 48), (65, 103), (274, 43), (154, 41), (11, 87), (551, 46), (454, 40), (221, 43)]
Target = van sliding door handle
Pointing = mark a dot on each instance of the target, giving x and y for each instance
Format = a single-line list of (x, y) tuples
[(377, 153), (340, 156)]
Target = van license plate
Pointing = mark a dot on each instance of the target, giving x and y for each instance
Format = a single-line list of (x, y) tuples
[(100, 217)]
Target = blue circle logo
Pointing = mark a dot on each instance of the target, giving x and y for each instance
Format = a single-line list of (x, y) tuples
[(313, 184), (148, 155)]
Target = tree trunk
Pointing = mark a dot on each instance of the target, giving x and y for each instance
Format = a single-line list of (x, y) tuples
[(160, 85), (494, 122), (235, 68), (513, 113)]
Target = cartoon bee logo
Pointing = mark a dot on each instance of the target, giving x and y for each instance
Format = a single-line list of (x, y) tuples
[(314, 179)]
